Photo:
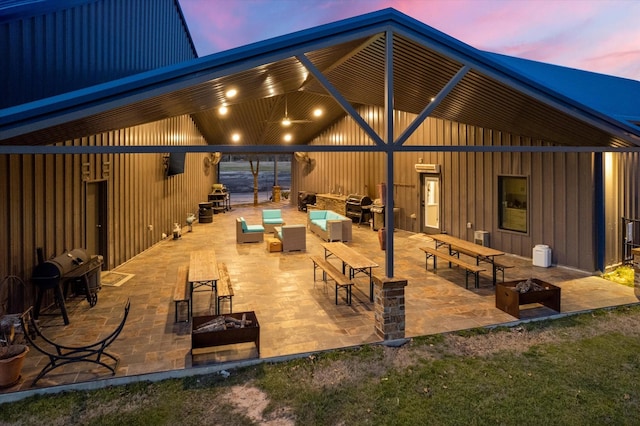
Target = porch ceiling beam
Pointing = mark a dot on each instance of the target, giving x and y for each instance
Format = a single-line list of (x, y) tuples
[(340, 99), (289, 149), (426, 112)]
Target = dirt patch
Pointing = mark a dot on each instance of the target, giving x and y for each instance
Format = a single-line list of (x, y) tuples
[(251, 402), (519, 339)]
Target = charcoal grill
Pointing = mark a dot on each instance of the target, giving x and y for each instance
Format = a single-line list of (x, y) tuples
[(55, 274), (358, 207)]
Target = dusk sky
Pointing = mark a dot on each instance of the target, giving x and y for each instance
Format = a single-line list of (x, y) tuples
[(595, 35)]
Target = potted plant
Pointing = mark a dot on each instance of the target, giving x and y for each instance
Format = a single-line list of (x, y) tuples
[(12, 353)]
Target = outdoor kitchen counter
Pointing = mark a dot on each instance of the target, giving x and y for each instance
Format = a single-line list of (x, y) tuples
[(335, 202)]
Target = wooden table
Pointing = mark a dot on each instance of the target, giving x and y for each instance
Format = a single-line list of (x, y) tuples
[(353, 259), (203, 270), (457, 245)]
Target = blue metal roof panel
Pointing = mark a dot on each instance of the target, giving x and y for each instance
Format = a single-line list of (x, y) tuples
[(122, 94), (614, 96)]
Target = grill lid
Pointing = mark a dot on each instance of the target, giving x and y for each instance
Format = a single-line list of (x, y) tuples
[(361, 200), (61, 265)]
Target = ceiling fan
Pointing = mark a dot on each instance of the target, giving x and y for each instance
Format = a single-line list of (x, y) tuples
[(287, 121)]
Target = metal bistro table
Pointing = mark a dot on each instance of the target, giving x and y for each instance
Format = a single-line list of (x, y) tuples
[(457, 245), (203, 270), (351, 258)]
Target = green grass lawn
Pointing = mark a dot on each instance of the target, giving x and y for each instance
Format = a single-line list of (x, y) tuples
[(579, 370), (244, 166)]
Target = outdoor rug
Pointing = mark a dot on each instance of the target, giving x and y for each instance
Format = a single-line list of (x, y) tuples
[(114, 279)]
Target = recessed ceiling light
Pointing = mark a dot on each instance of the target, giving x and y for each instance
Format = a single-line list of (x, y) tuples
[(287, 137), (317, 112), (223, 110), (231, 93), (235, 137)]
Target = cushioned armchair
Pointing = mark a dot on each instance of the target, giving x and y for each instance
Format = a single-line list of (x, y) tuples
[(271, 218), (293, 237), (248, 233)]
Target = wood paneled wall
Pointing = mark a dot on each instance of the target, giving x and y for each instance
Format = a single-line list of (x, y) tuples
[(43, 196), (561, 212)]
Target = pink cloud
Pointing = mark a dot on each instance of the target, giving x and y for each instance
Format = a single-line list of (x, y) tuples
[(601, 36)]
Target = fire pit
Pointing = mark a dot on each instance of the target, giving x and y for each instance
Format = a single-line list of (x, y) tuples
[(510, 295), (219, 330)]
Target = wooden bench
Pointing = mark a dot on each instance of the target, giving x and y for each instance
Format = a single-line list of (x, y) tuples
[(500, 265), (224, 288), (341, 280), (182, 291), (469, 268)]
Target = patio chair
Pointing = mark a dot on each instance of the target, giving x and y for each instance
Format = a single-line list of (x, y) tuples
[(248, 233), (60, 355), (293, 237), (271, 218)]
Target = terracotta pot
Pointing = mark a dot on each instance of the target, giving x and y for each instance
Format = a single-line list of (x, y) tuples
[(11, 368)]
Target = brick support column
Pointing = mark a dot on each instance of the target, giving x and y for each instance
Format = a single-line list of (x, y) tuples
[(636, 270), (389, 308)]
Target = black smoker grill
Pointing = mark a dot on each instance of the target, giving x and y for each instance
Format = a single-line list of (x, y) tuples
[(305, 198), (74, 266), (358, 207)]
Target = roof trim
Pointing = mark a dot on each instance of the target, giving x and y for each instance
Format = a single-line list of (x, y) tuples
[(45, 113)]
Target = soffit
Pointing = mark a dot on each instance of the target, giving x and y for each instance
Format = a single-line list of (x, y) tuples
[(356, 68)]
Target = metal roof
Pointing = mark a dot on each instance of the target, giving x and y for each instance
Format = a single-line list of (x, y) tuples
[(351, 54)]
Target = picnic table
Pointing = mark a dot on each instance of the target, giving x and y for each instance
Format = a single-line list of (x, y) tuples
[(457, 246), (203, 270), (357, 262)]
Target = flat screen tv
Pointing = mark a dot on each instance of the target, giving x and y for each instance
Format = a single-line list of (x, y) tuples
[(176, 163)]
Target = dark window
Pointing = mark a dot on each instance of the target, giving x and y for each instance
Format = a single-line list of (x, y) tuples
[(513, 196)]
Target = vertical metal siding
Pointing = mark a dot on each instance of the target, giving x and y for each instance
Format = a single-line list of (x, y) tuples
[(100, 41), (44, 195), (560, 185)]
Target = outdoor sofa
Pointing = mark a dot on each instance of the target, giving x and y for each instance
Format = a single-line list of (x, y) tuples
[(329, 225)]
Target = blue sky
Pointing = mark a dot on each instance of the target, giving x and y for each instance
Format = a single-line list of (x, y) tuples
[(595, 35)]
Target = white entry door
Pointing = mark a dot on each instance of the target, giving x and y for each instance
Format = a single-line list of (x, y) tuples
[(431, 197)]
